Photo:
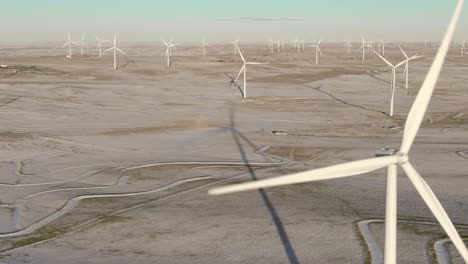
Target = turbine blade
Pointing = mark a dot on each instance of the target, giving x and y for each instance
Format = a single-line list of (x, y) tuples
[(256, 63), (319, 51), (437, 209), (404, 53), (109, 49), (240, 72), (418, 110), (403, 62), (240, 53), (333, 172), (121, 51), (386, 61)]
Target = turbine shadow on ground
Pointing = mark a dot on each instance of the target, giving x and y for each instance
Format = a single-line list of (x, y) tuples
[(238, 136), (318, 89), (126, 64), (385, 81), (233, 82)]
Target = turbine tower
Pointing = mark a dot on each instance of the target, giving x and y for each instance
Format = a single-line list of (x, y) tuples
[(244, 70), (390, 160), (115, 49)]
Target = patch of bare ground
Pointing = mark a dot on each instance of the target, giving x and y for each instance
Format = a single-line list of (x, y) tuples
[(301, 78)]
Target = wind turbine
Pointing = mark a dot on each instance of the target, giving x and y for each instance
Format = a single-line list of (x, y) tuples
[(168, 54), (317, 50), (244, 70), (115, 49), (82, 44), (270, 45), (235, 46), (363, 48), (69, 43), (203, 46), (462, 48), (406, 72), (99, 46), (348, 45), (393, 80), (390, 160), (382, 45)]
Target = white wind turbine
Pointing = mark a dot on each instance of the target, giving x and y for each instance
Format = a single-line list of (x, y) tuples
[(115, 49), (348, 45), (363, 48), (406, 72), (317, 50), (203, 46), (462, 48), (169, 47), (382, 45), (69, 44), (99, 46), (393, 80), (82, 44), (235, 46), (244, 70), (391, 160), (270, 45)]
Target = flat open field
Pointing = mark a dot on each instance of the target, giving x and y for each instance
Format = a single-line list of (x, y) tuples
[(113, 167)]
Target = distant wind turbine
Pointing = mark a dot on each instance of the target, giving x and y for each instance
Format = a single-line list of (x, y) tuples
[(462, 47), (99, 46), (169, 47), (382, 45), (317, 50), (363, 48), (348, 45), (69, 44), (82, 44), (115, 49), (393, 80), (244, 70), (406, 72), (203, 46), (235, 46)]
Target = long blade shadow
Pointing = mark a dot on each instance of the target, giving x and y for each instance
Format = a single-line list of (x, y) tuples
[(126, 64), (233, 82), (344, 102), (385, 81), (237, 135)]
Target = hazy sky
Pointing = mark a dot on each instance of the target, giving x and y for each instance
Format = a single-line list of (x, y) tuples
[(250, 20)]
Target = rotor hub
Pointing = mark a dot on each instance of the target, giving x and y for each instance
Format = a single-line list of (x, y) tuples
[(402, 158)]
